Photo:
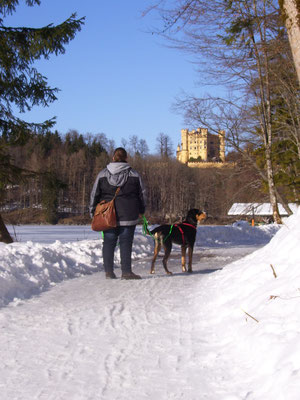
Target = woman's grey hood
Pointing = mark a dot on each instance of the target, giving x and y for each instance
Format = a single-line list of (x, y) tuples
[(118, 173)]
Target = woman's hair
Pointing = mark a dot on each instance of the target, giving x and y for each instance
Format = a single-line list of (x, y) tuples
[(120, 155)]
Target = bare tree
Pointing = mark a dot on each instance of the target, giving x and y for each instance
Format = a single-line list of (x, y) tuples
[(164, 145), (291, 12), (143, 148), (134, 144), (124, 143), (235, 37)]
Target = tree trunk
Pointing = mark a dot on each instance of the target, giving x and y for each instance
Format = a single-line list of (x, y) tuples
[(292, 13), (4, 234), (272, 191)]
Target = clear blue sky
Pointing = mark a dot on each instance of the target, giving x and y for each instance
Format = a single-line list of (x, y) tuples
[(115, 78)]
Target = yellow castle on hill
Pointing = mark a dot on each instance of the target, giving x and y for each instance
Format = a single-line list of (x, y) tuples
[(201, 146)]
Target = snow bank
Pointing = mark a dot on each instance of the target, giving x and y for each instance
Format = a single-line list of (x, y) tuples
[(240, 233), (257, 300), (29, 268)]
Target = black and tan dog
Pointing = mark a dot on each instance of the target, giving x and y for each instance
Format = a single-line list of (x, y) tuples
[(183, 234)]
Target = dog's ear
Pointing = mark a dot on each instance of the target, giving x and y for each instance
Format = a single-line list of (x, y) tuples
[(195, 211), (201, 216), (192, 213)]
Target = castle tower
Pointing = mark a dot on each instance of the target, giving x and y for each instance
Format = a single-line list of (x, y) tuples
[(178, 153), (204, 134), (184, 154), (222, 145), (204, 131)]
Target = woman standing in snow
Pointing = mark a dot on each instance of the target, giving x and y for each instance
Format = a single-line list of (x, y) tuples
[(129, 204)]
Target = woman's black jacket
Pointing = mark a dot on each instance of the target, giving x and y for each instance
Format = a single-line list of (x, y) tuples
[(130, 201)]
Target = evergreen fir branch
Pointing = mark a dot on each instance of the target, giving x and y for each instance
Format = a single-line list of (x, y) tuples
[(20, 83)]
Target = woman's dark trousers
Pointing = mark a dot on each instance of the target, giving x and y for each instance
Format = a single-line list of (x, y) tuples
[(125, 235)]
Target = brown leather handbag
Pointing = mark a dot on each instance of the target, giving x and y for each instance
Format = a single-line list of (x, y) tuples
[(105, 215)]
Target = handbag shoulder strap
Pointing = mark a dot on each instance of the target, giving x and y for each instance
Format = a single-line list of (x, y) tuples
[(116, 193)]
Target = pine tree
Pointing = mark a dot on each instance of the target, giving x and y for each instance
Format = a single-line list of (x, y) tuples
[(51, 187), (21, 85)]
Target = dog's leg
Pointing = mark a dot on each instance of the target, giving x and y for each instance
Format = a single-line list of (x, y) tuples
[(190, 254), (156, 252), (183, 253), (167, 248)]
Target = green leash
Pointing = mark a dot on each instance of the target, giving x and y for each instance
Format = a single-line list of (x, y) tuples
[(146, 230)]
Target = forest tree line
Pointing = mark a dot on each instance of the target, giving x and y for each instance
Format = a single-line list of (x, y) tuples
[(60, 171)]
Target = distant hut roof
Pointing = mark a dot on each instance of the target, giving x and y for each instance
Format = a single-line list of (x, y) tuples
[(263, 209)]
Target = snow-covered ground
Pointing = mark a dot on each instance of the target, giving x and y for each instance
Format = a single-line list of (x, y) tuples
[(230, 330)]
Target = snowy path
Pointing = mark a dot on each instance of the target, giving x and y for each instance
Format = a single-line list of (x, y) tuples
[(89, 339)]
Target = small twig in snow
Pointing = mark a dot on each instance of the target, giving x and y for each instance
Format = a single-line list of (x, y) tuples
[(274, 273), (272, 297), (250, 316)]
